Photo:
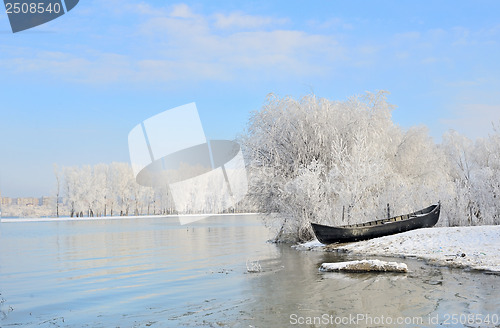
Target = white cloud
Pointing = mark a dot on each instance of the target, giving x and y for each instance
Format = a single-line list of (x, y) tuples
[(178, 45), (179, 42), (145, 9), (335, 22), (182, 11), (477, 82), (407, 36), (120, 7), (430, 60), (437, 33), (93, 68), (275, 51), (245, 21), (462, 36)]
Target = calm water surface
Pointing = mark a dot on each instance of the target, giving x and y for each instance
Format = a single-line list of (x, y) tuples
[(157, 273)]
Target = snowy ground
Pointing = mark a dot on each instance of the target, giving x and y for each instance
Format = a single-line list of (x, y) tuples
[(364, 266), (463, 247)]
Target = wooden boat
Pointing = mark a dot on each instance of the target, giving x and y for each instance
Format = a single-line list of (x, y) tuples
[(425, 218)]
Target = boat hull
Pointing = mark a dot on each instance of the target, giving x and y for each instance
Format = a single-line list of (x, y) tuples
[(424, 218)]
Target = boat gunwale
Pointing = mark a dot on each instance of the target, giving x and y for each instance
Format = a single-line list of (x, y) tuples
[(384, 222)]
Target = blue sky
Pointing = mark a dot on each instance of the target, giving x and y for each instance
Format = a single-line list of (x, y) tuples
[(73, 88)]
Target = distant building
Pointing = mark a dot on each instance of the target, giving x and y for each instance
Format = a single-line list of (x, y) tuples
[(46, 201), (6, 201), (28, 201)]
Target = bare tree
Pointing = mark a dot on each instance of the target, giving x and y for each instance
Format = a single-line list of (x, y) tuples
[(58, 187)]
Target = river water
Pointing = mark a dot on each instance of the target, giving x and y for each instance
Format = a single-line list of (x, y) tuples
[(154, 272)]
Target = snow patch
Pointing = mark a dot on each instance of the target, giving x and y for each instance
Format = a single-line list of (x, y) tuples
[(365, 266), (476, 248), (312, 245)]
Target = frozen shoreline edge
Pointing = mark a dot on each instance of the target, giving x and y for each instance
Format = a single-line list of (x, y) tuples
[(469, 248), (103, 218)]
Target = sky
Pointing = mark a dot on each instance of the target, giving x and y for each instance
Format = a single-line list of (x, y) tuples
[(72, 89)]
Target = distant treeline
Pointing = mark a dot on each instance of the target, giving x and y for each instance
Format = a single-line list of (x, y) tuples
[(110, 190), (106, 190)]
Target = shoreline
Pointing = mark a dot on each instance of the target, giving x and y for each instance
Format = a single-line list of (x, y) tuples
[(469, 248), (99, 218)]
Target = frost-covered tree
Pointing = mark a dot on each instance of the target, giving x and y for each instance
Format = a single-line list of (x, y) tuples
[(475, 173), (57, 175), (98, 189), (111, 189), (71, 186), (460, 156), (337, 162)]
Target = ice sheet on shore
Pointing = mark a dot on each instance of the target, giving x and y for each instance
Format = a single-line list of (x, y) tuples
[(463, 247), (364, 266)]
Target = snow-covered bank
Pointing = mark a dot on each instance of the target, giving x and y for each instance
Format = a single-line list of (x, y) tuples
[(463, 247)]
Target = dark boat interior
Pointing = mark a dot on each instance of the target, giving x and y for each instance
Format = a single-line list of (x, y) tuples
[(393, 219)]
